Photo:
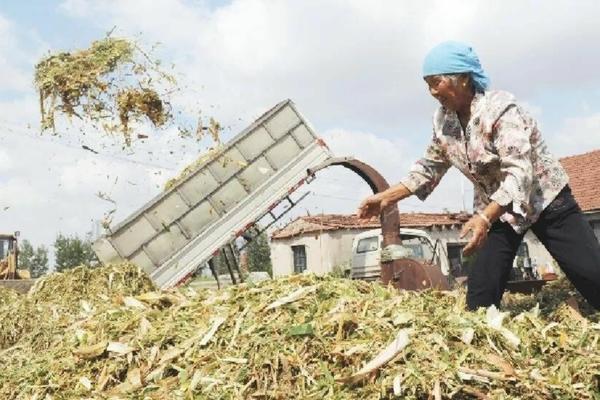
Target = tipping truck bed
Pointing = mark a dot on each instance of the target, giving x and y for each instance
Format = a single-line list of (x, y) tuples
[(180, 229)]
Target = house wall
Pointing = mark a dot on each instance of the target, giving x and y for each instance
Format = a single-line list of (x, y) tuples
[(540, 258), (324, 251), (445, 235)]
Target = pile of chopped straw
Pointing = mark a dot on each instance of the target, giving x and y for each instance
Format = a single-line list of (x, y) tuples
[(302, 337), (56, 300)]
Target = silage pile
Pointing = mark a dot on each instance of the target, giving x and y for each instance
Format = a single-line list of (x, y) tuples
[(305, 337), (91, 284), (57, 300)]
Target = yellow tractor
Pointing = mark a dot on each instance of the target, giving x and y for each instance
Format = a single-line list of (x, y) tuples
[(10, 274)]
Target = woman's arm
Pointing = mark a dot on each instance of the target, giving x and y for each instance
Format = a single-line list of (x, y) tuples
[(423, 177)]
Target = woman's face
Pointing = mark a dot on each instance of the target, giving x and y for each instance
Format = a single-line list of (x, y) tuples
[(452, 93)]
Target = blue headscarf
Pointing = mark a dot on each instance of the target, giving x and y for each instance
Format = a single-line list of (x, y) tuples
[(453, 58)]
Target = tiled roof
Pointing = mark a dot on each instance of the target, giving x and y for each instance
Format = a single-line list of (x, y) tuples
[(332, 222), (584, 179)]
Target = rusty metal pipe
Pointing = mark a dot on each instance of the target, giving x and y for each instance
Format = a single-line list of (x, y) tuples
[(390, 220), (402, 273)]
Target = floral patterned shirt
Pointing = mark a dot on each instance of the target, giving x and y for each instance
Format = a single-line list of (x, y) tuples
[(501, 151)]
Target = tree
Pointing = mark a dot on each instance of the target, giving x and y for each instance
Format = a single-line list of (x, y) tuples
[(73, 251), (40, 262), (26, 254), (34, 260), (259, 254)]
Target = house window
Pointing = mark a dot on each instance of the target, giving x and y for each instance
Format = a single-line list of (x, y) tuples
[(459, 265), (299, 259), (596, 227)]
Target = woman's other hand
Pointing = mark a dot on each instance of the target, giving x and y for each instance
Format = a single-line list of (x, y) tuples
[(479, 230)]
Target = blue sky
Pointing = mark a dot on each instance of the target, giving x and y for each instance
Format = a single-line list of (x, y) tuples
[(44, 17), (352, 67)]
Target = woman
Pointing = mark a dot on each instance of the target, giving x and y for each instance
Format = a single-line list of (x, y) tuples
[(518, 184)]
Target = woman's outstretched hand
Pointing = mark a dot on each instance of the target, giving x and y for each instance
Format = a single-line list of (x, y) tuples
[(373, 205), (479, 229)]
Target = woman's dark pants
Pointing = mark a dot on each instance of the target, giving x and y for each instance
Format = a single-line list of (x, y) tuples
[(567, 236)]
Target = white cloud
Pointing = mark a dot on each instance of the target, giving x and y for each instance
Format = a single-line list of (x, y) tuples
[(20, 111), (352, 67), (385, 155), (577, 135), (354, 62), (54, 188), (12, 57), (339, 190), (7, 161)]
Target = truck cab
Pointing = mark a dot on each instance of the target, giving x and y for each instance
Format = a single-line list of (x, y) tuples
[(366, 252)]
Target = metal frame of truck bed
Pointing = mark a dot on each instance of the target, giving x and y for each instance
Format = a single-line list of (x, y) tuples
[(181, 229)]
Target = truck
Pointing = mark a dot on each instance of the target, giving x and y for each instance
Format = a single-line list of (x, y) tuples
[(222, 199), (416, 243)]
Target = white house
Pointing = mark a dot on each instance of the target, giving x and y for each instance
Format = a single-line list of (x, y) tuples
[(320, 243), (323, 243)]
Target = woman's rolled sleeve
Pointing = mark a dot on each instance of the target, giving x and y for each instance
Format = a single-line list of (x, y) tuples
[(512, 142), (427, 172)]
